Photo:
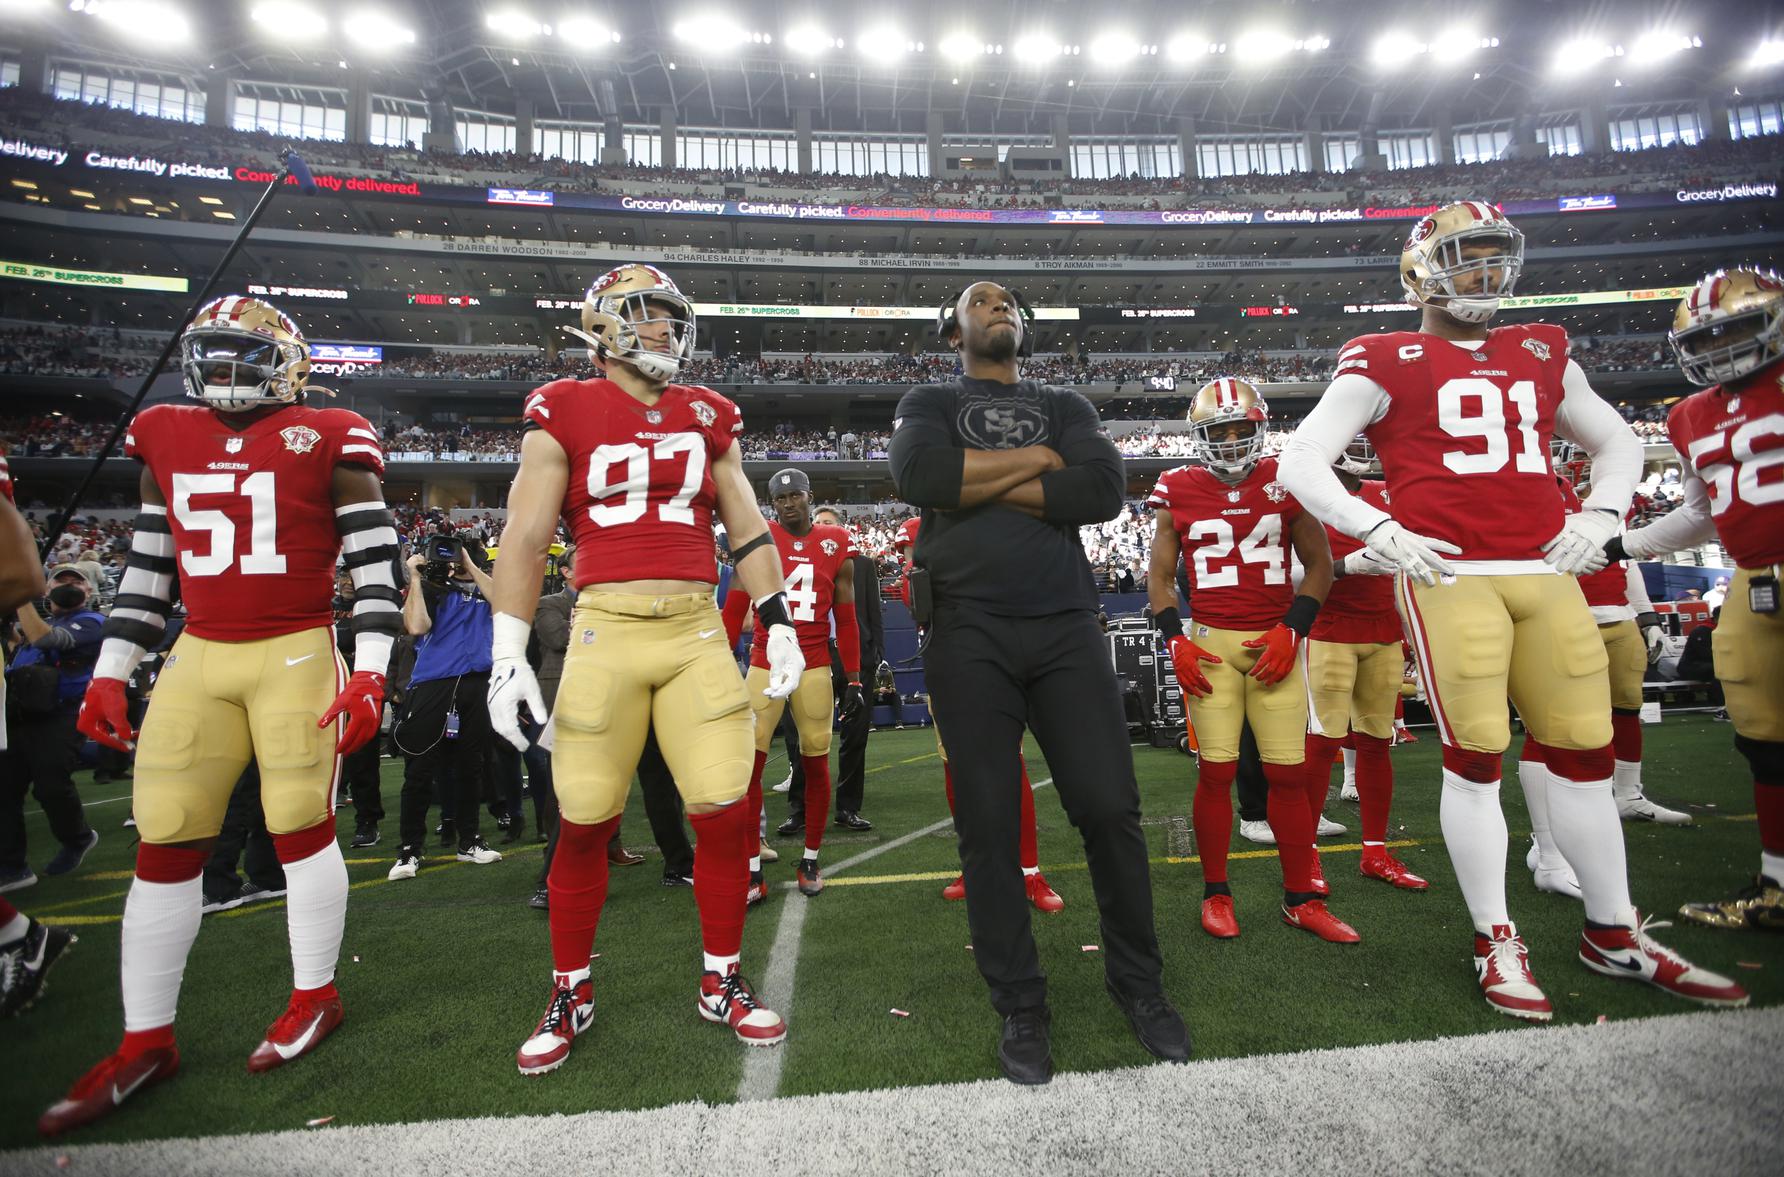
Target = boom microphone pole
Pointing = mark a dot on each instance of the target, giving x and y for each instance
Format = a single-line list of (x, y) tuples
[(290, 164)]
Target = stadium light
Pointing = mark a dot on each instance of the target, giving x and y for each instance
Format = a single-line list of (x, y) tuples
[(1454, 44), (514, 24), (147, 19), (24, 8), (377, 30), (1189, 47), (286, 18), (809, 41), (962, 46), (1262, 45), (1395, 49), (1112, 48), (586, 33), (713, 33), (1037, 47), (1581, 54), (1659, 44), (885, 43), (1766, 53)]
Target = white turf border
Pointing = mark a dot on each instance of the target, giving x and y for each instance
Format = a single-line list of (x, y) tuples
[(1690, 1093)]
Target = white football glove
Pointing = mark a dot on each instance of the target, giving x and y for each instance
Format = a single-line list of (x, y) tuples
[(786, 661), (511, 681), (1653, 635), (1578, 549), (1420, 557), (1364, 562)]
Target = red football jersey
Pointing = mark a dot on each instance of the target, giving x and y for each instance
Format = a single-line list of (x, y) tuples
[(252, 511), (1609, 586), (1464, 443), (641, 494), (812, 562), (6, 480), (907, 534), (1359, 608), (1235, 543), (1734, 440)]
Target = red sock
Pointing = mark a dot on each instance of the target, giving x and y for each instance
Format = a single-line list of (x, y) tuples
[(1031, 850), (755, 793), (1292, 824), (1212, 814), (722, 872), (578, 890), (296, 847), (817, 798), (137, 1041), (948, 784), (1626, 737), (169, 864), (7, 911), (1768, 802), (1375, 786), (1321, 752)]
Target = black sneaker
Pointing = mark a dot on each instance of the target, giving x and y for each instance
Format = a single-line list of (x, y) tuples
[(1026, 1048), (24, 966), (72, 854), (517, 825), (541, 900), (215, 901), (848, 819), (12, 878), (447, 832), (255, 893), (364, 836), (1156, 1023), (793, 825), (675, 880)]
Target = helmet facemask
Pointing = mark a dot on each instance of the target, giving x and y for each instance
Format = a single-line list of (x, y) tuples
[(1448, 265), (1235, 457), (619, 316), (1358, 458), (1726, 349), (237, 370)]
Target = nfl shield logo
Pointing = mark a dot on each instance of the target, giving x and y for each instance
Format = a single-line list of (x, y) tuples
[(654, 417), (233, 445), (799, 547), (1234, 496)]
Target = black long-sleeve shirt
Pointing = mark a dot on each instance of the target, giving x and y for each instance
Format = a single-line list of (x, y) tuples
[(994, 557)]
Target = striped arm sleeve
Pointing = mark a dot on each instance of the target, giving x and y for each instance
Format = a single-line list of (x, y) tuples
[(369, 550), (138, 618)]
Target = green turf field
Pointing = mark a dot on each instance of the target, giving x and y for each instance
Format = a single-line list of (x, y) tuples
[(445, 975)]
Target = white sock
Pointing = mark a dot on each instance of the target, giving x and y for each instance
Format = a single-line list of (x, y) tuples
[(1350, 767), (718, 964), (16, 928), (756, 864), (570, 980), (1534, 776), (1474, 831), (160, 923), (1031, 870), (1626, 781), (1583, 816), (316, 915), (1771, 866), (810, 854)]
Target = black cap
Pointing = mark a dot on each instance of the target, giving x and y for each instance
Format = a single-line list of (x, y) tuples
[(788, 481)]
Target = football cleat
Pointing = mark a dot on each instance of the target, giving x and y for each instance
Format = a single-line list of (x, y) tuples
[(115, 1079), (1348, 792), (1320, 887), (1403, 736), (767, 853), (955, 891), (758, 890), (1639, 808), (1759, 906), (1257, 831), (299, 1030), (24, 966), (570, 1012), (728, 999), (806, 873), (1312, 916), (1041, 895), (1379, 864), (1503, 965), (1627, 951), (1557, 880), (1219, 919)]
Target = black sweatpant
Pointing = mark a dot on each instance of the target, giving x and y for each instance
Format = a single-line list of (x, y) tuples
[(244, 838), (662, 808), (1254, 790), (992, 676), (40, 763), (420, 735), (850, 783), (361, 769)]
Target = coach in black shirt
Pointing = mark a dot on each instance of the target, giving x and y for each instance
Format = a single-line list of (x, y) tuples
[(1005, 471)]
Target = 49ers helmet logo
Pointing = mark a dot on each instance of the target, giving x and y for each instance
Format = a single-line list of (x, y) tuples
[(300, 439)]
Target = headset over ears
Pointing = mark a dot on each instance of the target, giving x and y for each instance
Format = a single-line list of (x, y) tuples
[(946, 320)]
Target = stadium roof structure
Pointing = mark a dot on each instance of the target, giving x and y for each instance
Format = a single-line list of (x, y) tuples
[(1012, 65)]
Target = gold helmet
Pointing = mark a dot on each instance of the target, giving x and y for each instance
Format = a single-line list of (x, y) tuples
[(1432, 259), (1358, 457), (240, 353), (1224, 402), (623, 297), (1731, 323)]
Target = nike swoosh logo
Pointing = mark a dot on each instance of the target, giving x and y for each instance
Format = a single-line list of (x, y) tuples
[(706, 633), (120, 1095), (1633, 966), (303, 1041), (295, 661), (37, 961), (584, 1017)]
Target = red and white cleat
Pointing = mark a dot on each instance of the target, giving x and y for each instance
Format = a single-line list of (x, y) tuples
[(758, 890), (571, 1012), (1043, 897), (1320, 886), (1628, 951), (298, 1031), (956, 891), (1503, 965), (1312, 916), (1219, 919), (1403, 736), (728, 999), (115, 1079), (1379, 864)]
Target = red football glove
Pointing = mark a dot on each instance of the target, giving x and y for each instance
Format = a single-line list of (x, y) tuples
[(1185, 655), (105, 715), (361, 705), (1278, 657)]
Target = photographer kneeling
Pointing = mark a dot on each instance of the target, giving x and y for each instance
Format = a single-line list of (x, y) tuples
[(446, 711)]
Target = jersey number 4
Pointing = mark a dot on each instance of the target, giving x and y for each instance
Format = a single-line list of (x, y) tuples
[(1214, 541), (262, 557), (623, 472)]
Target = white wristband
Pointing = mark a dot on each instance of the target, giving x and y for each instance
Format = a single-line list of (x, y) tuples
[(118, 659), (510, 637)]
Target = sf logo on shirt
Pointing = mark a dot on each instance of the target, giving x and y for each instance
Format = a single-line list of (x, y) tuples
[(1001, 424)]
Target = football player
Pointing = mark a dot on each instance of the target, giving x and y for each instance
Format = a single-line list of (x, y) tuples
[(818, 563), (1729, 335), (638, 465), (1461, 414), (1040, 893), (1232, 522), (1354, 671), (248, 498)]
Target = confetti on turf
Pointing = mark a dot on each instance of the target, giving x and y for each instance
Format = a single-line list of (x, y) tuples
[(901, 1013), (356, 960), (1602, 1020), (318, 1121), (62, 1161), (1089, 948), (1749, 964)]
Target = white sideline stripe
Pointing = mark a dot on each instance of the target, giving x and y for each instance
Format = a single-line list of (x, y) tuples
[(1684, 1094), (762, 1066)]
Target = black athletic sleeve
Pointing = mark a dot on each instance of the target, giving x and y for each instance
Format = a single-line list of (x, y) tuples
[(927, 467), (1089, 489)]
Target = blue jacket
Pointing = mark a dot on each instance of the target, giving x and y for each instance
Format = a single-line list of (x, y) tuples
[(76, 664)]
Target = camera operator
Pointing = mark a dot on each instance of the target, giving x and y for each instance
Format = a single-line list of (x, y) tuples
[(445, 712), (48, 677)]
